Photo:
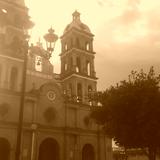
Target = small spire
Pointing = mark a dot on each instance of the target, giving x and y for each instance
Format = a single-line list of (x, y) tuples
[(76, 15), (39, 43)]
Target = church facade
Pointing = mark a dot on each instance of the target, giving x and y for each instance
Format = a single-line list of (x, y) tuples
[(56, 122)]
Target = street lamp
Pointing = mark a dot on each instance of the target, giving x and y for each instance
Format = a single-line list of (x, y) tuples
[(50, 38)]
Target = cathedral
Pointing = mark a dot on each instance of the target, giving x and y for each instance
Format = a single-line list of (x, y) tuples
[(56, 122)]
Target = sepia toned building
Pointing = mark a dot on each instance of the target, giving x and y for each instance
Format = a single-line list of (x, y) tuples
[(56, 122)]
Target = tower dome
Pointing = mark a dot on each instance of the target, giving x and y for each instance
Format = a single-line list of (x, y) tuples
[(76, 23)]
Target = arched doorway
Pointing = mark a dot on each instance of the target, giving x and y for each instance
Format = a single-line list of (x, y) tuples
[(4, 149), (49, 150), (88, 152)]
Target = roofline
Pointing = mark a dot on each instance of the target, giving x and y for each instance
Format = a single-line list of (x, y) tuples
[(79, 76), (67, 52), (12, 58), (73, 28)]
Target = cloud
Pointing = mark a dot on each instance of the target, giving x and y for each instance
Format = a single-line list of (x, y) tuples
[(127, 32), (116, 62), (102, 3), (153, 17), (133, 3), (129, 16), (129, 41)]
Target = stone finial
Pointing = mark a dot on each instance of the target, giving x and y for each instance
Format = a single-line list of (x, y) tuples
[(76, 15), (39, 43)]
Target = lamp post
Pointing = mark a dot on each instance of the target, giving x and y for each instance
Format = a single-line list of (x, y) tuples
[(65, 96), (33, 128), (50, 38), (24, 49)]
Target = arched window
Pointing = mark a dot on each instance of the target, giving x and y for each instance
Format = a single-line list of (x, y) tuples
[(88, 152), (78, 66), (65, 66), (79, 92), (13, 78), (70, 89), (88, 68), (49, 150), (71, 63), (90, 95), (66, 47), (89, 89), (4, 149), (87, 46), (16, 44), (38, 63)]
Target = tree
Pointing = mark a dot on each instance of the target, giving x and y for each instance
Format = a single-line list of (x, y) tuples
[(130, 112)]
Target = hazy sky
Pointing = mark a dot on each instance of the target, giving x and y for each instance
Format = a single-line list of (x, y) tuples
[(127, 32)]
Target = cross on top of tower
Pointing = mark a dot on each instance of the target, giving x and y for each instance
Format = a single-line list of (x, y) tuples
[(39, 43)]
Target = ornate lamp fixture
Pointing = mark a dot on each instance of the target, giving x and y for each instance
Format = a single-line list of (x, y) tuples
[(50, 39)]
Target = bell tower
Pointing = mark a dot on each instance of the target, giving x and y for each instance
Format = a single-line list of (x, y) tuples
[(77, 60), (14, 23)]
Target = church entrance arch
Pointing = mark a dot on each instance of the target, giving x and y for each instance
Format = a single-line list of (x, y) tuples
[(49, 150), (4, 149), (88, 152)]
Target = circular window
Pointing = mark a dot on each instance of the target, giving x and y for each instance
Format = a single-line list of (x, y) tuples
[(51, 95)]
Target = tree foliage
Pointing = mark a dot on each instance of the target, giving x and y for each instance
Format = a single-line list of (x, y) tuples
[(130, 111)]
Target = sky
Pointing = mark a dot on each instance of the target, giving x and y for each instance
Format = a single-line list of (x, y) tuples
[(127, 33)]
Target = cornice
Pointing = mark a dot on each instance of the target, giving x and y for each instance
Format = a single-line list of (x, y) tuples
[(11, 58), (91, 53), (79, 76), (78, 31)]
